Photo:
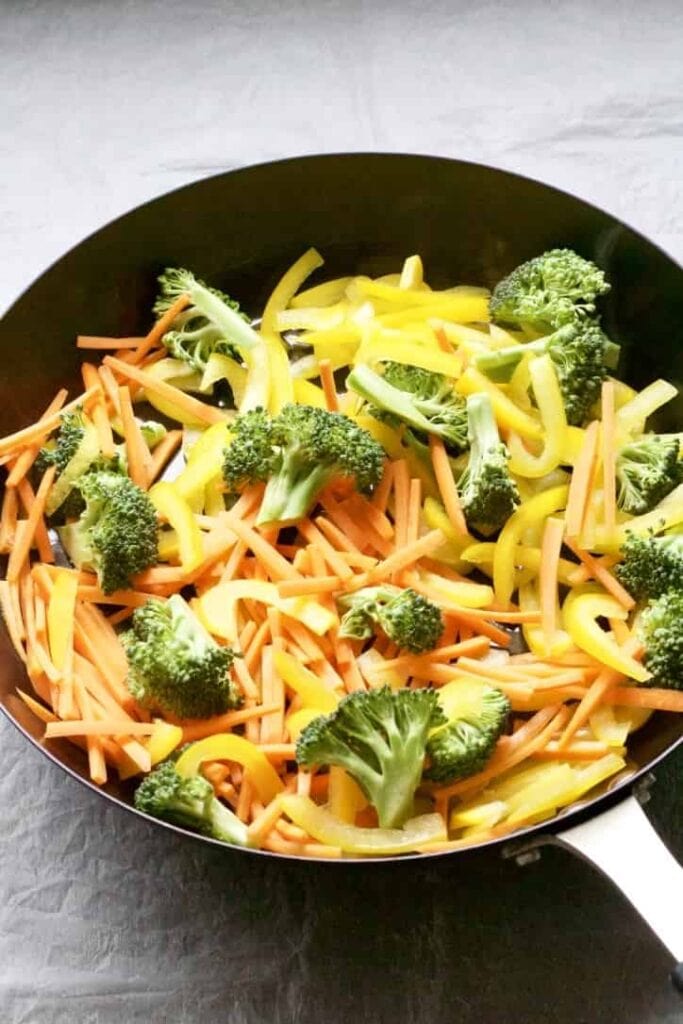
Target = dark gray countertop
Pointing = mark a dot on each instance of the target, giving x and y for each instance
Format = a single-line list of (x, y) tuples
[(104, 919)]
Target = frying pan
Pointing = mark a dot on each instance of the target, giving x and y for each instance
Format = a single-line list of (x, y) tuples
[(365, 213)]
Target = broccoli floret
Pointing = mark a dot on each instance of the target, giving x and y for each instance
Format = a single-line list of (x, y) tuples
[(211, 323), (379, 737), (647, 470), (582, 355), (651, 565), (152, 432), (488, 493), (116, 535), (175, 665), (61, 449), (406, 617), (559, 287), (422, 400), (189, 802), (299, 452), (661, 629), (477, 715)]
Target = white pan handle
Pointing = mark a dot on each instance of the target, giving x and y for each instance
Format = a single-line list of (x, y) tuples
[(623, 844)]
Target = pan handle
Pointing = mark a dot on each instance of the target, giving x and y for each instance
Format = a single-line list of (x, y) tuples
[(624, 846)]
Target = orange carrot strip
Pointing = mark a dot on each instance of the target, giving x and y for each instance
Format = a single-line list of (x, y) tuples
[(383, 489), (582, 573), (401, 495), (414, 509), (363, 535), (359, 506), (598, 571), (446, 484), (311, 585), (111, 387), (622, 634), (35, 433), (550, 562), (328, 385), (336, 536), (20, 552), (42, 540), (139, 458), (581, 481), (99, 413), (277, 567), (199, 728), (12, 618), (28, 456), (160, 328), (265, 821), (164, 451), (608, 678), (400, 559), (94, 341), (8, 521), (93, 727), (313, 535), (582, 750), (645, 697), (196, 409), (609, 453), (97, 766)]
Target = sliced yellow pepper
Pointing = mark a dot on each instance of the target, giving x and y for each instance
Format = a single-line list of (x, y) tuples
[(525, 558), (171, 505), (297, 721), (551, 407), (204, 465), (530, 514), (339, 345), (592, 775), (175, 372), (221, 367), (537, 642), (452, 552), (454, 592), (412, 273), (312, 318), (573, 443), (322, 294), (507, 414), (667, 514), (313, 692), (632, 416), (218, 607), (326, 828), (345, 797), (582, 608), (479, 816), (228, 747), (164, 740), (306, 393), (399, 350)]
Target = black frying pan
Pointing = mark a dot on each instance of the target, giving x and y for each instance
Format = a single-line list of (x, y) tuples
[(365, 213)]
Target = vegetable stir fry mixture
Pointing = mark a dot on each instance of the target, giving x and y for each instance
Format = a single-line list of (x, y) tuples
[(389, 570)]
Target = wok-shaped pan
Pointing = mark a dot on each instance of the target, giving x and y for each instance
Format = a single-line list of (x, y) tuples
[(365, 213)]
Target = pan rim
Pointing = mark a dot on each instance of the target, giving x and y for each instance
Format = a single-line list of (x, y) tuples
[(573, 815)]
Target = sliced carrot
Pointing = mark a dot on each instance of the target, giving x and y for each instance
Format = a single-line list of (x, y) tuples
[(160, 328), (96, 764), (414, 509), (645, 697), (192, 406), (111, 387), (93, 727), (8, 520), (597, 690), (600, 573), (164, 451), (364, 536), (99, 413), (36, 432), (139, 457), (20, 552), (94, 341), (313, 535), (401, 496), (41, 538), (328, 385), (548, 582), (278, 568), (311, 585), (446, 484), (383, 489), (359, 507), (400, 559), (28, 456), (12, 617), (581, 481), (335, 536)]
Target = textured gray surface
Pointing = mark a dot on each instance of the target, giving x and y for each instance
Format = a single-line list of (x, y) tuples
[(103, 919)]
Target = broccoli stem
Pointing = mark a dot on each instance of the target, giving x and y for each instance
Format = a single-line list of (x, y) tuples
[(500, 364), (230, 323), (482, 429), (291, 491), (377, 391)]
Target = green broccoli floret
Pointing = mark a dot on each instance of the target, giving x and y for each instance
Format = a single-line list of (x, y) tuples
[(152, 432), (299, 452), (175, 665), (378, 737), (63, 446), (189, 802), (582, 355), (405, 616), (211, 323), (651, 565), (556, 288), (421, 400), (116, 535), (476, 716), (488, 493), (661, 629), (647, 470)]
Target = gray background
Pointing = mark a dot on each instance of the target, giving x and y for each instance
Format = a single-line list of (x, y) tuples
[(106, 104)]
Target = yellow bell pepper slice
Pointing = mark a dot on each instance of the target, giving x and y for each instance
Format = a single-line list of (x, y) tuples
[(164, 740), (507, 414), (400, 350), (324, 294), (203, 466), (281, 391), (544, 795), (297, 721), (536, 640), (371, 662), (551, 407), (221, 367), (452, 552), (530, 514), (171, 505), (312, 318), (573, 443), (306, 393), (345, 797), (218, 607), (454, 592), (632, 416), (480, 816), (228, 747), (667, 514), (175, 372), (592, 775), (412, 273), (338, 345), (326, 828), (582, 608), (525, 558), (60, 617), (313, 692)]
